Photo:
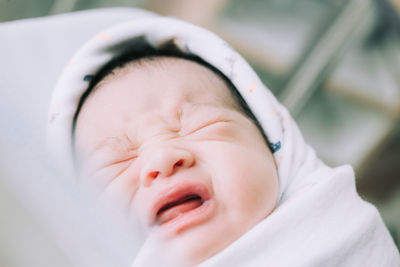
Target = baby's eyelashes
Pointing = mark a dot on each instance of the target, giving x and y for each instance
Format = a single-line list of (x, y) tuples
[(204, 125), (200, 117), (107, 161), (121, 161)]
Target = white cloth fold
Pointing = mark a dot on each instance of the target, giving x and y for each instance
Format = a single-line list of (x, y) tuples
[(320, 220), (325, 223)]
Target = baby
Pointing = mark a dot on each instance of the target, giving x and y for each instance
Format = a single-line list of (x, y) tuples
[(175, 148), (192, 148)]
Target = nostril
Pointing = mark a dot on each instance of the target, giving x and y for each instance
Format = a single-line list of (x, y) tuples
[(178, 163), (153, 174)]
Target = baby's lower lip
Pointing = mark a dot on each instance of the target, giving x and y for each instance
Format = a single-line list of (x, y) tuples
[(178, 210), (187, 216)]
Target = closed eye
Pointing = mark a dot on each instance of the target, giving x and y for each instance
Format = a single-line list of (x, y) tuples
[(122, 163), (208, 125)]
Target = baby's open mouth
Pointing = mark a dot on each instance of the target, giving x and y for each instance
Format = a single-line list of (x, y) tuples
[(176, 208), (185, 198)]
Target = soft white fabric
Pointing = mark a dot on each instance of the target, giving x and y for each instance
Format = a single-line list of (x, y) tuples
[(325, 223), (55, 225), (319, 221)]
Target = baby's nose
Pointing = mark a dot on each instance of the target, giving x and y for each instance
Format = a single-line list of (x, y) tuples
[(164, 162)]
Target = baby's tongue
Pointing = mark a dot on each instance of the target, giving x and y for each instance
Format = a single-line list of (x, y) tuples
[(178, 209)]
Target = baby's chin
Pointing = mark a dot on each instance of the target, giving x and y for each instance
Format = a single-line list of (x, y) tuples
[(190, 247), (184, 250)]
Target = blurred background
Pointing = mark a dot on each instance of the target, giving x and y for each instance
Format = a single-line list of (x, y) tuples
[(334, 63)]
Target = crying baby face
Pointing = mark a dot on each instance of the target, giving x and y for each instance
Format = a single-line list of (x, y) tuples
[(165, 143)]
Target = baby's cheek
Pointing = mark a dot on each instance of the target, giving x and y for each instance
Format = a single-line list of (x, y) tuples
[(101, 178), (246, 180), (227, 132), (138, 211), (115, 190)]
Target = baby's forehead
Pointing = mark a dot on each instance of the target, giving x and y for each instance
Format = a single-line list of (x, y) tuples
[(162, 65), (170, 75)]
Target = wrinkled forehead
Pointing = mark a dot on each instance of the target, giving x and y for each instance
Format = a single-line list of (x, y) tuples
[(147, 83)]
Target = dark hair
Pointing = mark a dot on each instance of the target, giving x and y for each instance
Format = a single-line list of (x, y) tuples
[(142, 50)]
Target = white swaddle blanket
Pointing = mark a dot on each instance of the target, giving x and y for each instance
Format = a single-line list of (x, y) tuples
[(319, 221)]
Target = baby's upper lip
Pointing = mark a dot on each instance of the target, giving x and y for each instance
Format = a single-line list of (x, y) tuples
[(173, 193)]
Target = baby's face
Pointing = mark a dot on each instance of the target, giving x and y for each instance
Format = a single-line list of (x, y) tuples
[(166, 145)]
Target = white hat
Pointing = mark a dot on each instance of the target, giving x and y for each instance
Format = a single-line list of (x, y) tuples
[(286, 142)]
